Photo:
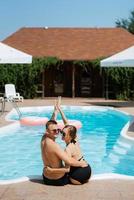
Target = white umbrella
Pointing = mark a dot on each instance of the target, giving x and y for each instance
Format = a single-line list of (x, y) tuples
[(10, 55), (124, 58)]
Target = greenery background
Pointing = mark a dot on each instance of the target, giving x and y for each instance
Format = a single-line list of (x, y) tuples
[(26, 77)]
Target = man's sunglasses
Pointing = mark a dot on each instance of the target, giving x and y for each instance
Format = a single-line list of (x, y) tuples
[(56, 130)]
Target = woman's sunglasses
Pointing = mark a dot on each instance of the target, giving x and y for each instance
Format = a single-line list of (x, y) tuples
[(63, 133)]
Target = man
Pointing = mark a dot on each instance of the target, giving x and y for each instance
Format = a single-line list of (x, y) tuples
[(53, 155)]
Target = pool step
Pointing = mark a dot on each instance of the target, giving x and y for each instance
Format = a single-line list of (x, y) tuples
[(120, 149), (123, 144)]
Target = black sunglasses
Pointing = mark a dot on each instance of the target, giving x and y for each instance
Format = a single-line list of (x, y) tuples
[(56, 130), (63, 133)]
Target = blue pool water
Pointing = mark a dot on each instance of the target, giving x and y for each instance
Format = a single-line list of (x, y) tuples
[(99, 137)]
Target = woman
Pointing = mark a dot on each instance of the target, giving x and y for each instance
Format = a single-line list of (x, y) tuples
[(77, 175)]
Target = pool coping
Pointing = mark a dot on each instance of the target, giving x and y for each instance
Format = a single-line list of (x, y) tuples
[(106, 176)]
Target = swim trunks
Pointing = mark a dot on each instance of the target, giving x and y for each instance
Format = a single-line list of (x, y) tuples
[(56, 182)]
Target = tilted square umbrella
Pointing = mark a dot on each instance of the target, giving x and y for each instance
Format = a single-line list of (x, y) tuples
[(124, 58), (10, 55)]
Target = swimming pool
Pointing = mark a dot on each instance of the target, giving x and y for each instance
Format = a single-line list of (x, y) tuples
[(103, 146)]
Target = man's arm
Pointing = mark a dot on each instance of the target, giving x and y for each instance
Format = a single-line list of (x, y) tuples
[(54, 114), (68, 160), (65, 120), (57, 170)]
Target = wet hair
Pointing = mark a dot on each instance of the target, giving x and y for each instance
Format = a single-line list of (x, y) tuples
[(50, 122), (72, 132)]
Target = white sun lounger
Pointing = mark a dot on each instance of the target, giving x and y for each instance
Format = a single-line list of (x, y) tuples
[(11, 94)]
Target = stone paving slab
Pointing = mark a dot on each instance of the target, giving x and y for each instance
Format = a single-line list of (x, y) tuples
[(94, 190)]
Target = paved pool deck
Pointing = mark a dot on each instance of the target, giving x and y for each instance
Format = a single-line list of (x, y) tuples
[(107, 189)]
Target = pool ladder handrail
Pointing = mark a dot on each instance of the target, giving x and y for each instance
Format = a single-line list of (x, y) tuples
[(14, 104), (16, 107)]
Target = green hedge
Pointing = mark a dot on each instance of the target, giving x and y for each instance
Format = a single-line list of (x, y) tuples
[(26, 76), (120, 79)]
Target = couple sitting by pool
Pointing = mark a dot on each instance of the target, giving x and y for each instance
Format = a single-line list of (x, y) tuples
[(75, 169)]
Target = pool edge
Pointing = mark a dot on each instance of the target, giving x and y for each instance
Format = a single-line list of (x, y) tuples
[(107, 176)]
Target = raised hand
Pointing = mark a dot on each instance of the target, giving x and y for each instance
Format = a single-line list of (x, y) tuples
[(58, 103), (59, 100), (55, 106), (55, 112)]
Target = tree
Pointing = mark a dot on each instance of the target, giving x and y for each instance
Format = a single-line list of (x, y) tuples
[(127, 23)]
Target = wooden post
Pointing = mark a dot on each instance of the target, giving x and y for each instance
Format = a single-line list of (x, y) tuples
[(73, 80), (103, 82), (107, 95)]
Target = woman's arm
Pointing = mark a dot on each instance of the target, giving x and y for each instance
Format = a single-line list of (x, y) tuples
[(62, 155)]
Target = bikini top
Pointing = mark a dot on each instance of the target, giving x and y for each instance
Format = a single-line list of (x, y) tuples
[(81, 158), (73, 141)]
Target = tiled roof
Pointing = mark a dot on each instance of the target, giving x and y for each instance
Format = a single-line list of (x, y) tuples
[(71, 43)]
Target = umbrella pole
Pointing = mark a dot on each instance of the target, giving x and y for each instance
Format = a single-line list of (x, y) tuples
[(107, 85)]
